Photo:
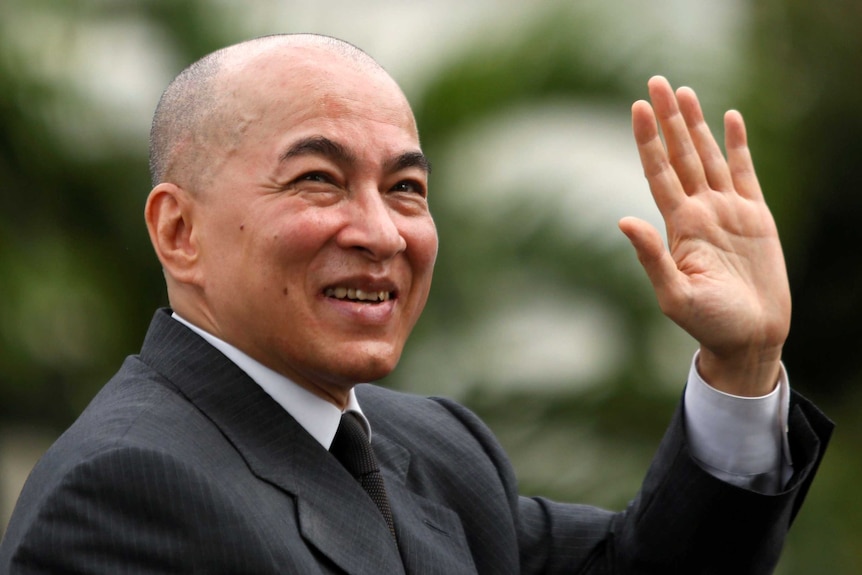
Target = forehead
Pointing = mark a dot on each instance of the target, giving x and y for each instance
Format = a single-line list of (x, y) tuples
[(291, 85)]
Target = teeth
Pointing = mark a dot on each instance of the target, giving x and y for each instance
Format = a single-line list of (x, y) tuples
[(357, 294)]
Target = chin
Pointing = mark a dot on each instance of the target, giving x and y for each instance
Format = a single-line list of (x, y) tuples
[(369, 365), (370, 373)]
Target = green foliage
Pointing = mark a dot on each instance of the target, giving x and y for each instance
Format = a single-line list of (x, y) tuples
[(79, 279)]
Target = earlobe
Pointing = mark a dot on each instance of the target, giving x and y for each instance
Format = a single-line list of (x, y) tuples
[(168, 214)]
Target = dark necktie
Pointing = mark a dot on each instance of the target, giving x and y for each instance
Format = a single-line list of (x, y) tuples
[(353, 449)]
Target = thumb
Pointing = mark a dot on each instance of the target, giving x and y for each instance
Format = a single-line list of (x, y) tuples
[(653, 256)]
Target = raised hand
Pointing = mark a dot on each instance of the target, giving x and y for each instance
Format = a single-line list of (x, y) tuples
[(722, 277)]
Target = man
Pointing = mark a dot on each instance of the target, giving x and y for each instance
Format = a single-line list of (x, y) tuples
[(290, 215)]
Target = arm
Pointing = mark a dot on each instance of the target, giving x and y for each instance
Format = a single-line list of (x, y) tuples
[(722, 278), (684, 520)]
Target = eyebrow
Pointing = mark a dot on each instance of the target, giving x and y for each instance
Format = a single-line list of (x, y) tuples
[(409, 160), (318, 146), (323, 146)]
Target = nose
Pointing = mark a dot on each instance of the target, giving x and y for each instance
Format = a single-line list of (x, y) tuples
[(372, 227)]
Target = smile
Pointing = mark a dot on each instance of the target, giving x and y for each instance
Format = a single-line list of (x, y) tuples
[(357, 294)]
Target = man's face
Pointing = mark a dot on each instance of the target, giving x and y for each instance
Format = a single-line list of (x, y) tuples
[(316, 243)]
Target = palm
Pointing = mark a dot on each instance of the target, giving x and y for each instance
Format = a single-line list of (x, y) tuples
[(731, 271)]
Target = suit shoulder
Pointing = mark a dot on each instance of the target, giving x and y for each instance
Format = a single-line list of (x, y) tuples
[(387, 408), (415, 410), (136, 405), (439, 431), (134, 410), (96, 504)]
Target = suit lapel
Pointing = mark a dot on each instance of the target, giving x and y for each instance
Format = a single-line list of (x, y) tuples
[(334, 514), (430, 536)]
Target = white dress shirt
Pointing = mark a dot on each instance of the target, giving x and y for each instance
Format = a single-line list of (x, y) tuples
[(740, 440)]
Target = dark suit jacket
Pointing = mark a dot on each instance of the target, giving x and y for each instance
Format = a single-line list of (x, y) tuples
[(183, 464)]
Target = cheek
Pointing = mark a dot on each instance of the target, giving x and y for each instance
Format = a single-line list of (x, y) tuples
[(297, 238), (296, 255), (422, 243), (422, 253)]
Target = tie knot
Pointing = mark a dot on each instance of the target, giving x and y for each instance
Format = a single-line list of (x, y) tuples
[(352, 447)]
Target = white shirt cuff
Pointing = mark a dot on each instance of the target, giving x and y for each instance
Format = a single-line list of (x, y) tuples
[(742, 440)]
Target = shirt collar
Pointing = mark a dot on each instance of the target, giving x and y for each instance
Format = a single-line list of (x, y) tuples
[(317, 416)]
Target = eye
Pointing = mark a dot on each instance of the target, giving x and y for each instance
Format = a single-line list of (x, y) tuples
[(319, 177), (410, 186)]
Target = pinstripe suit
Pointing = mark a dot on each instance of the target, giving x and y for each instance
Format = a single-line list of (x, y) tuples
[(183, 464)]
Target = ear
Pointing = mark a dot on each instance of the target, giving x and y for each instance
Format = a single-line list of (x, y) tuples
[(168, 214)]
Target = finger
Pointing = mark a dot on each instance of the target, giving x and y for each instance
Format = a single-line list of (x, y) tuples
[(715, 166), (739, 157), (663, 181), (681, 150), (654, 258)]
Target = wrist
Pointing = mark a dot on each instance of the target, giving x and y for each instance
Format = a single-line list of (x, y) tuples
[(747, 374)]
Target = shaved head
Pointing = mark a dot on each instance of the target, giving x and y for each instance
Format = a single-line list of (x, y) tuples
[(194, 116)]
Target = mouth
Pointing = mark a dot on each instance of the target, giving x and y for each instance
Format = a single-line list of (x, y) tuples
[(358, 295)]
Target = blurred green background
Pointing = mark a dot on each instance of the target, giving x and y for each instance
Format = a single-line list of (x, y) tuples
[(540, 318)]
